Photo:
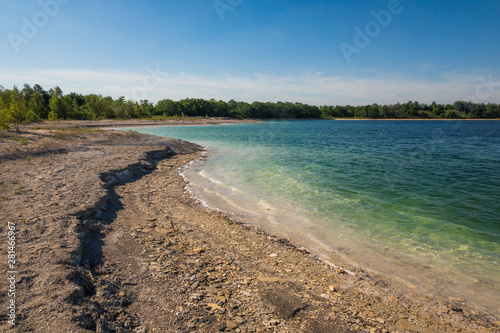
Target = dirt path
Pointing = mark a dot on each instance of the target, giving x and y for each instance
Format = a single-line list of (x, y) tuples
[(108, 240)]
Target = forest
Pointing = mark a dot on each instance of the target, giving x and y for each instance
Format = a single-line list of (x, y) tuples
[(33, 104)]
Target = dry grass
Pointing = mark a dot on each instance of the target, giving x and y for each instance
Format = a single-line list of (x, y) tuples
[(22, 140), (68, 133)]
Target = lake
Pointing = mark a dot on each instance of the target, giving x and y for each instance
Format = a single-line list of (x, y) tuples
[(415, 200)]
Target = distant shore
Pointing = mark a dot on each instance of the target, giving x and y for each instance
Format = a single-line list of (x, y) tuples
[(416, 119), (110, 239), (108, 123)]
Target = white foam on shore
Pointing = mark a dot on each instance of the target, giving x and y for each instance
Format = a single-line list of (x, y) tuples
[(353, 241), (335, 248)]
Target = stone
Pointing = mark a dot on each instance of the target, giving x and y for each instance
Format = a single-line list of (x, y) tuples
[(274, 322), (221, 299), (198, 250), (220, 327), (231, 325), (456, 299), (286, 304), (213, 306), (268, 279), (414, 328), (196, 297)]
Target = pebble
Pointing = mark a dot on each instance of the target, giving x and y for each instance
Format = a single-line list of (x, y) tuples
[(213, 306), (221, 299), (231, 325), (198, 250)]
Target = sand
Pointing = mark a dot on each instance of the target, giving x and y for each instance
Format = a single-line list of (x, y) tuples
[(109, 240)]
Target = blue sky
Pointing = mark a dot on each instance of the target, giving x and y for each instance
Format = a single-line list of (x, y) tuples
[(256, 50)]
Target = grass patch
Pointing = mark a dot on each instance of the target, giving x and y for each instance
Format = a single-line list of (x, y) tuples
[(60, 135), (176, 117), (19, 190), (82, 130), (67, 133), (46, 143), (22, 140)]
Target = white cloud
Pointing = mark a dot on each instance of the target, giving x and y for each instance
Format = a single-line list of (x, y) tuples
[(311, 88)]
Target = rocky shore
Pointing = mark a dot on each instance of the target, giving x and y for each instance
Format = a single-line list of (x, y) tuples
[(109, 240)]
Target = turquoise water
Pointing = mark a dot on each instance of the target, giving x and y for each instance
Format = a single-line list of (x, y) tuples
[(416, 199)]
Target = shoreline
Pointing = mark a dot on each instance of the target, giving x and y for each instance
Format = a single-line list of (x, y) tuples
[(108, 123), (419, 278), (152, 238), (415, 119)]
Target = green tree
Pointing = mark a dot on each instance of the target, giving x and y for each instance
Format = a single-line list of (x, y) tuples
[(437, 109), (37, 105), (450, 114), (4, 108), (492, 111), (360, 112), (26, 92), (123, 109), (58, 104), (46, 95), (4, 119), (168, 107), (372, 111), (18, 110)]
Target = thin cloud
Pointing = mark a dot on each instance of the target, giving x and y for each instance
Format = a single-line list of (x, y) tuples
[(311, 88)]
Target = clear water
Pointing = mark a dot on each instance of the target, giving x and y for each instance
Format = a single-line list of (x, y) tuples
[(419, 200)]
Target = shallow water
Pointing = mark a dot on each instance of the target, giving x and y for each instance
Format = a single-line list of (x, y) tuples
[(419, 200)]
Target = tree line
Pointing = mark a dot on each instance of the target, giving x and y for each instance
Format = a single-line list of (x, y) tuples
[(31, 104)]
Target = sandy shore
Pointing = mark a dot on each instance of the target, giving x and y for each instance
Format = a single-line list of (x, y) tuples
[(108, 239), (107, 123)]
